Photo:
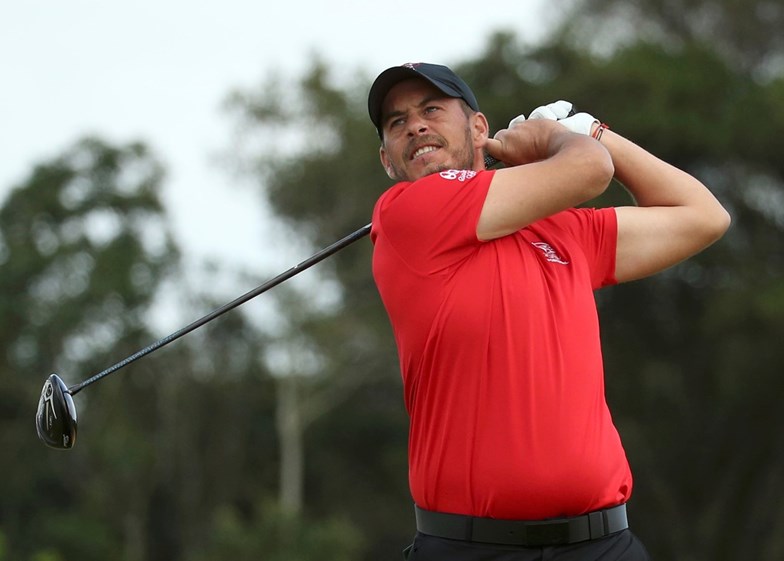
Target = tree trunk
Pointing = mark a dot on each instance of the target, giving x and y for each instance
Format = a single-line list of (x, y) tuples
[(290, 435)]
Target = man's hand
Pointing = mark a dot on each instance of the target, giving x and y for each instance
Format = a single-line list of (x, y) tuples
[(518, 150), (550, 169), (524, 141)]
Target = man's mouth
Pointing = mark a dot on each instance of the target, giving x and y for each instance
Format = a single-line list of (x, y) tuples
[(423, 150)]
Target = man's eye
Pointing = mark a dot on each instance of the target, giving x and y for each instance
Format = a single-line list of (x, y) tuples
[(396, 122), (431, 109)]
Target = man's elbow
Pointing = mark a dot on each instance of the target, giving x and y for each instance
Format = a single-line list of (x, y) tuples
[(600, 173), (721, 222), (715, 223)]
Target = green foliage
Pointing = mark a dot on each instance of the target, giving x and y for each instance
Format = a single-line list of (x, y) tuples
[(82, 250), (745, 33), (273, 535)]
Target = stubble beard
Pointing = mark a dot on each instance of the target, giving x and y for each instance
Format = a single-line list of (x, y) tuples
[(461, 158)]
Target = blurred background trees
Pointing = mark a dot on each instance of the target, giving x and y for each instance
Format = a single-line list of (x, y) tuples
[(289, 442)]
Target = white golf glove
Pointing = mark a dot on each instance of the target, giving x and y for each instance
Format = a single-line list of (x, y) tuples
[(553, 111), (518, 119), (560, 111)]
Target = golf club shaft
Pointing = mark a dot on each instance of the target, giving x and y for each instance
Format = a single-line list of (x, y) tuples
[(307, 263)]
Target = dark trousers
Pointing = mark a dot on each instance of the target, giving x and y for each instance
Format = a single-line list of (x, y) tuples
[(622, 546)]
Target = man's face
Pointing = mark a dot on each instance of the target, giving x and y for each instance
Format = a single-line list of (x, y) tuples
[(425, 131)]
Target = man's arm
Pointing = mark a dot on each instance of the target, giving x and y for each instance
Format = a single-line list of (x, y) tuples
[(676, 216), (553, 170)]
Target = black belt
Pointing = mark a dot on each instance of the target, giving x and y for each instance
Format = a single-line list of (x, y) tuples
[(532, 533)]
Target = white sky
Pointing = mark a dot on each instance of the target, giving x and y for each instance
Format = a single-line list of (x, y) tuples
[(159, 70)]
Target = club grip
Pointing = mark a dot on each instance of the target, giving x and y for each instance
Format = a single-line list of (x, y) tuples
[(490, 161)]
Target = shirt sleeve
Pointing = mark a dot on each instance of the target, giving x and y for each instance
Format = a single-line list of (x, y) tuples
[(431, 223), (596, 232)]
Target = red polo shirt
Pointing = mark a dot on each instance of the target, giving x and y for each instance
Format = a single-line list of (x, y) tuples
[(500, 353)]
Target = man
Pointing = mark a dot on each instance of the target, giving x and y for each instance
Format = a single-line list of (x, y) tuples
[(488, 279)]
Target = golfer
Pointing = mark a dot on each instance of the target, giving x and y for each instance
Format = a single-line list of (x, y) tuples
[(488, 278)]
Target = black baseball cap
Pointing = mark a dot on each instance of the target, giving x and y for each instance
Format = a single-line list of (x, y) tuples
[(440, 76)]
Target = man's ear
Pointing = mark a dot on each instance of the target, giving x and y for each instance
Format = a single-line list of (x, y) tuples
[(385, 162), (480, 128)]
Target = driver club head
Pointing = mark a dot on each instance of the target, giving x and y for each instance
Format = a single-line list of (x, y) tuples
[(55, 419)]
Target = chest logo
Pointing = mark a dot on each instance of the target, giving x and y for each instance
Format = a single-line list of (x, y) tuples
[(549, 253), (459, 174)]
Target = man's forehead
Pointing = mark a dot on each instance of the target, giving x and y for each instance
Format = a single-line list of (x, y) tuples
[(412, 92)]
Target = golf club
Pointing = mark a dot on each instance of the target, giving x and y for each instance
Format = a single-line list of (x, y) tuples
[(55, 419)]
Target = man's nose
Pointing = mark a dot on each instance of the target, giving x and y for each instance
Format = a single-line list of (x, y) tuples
[(417, 126)]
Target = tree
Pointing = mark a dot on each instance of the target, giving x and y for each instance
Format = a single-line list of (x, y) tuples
[(749, 30), (83, 247)]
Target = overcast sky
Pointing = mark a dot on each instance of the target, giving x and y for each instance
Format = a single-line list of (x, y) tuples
[(159, 70)]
